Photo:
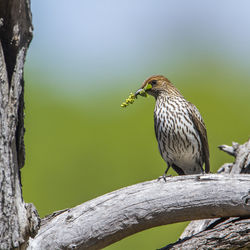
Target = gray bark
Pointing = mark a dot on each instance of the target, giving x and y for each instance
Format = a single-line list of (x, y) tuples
[(230, 233), (15, 36)]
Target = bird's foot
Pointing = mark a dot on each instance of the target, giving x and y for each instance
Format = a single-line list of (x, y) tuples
[(202, 171), (164, 177)]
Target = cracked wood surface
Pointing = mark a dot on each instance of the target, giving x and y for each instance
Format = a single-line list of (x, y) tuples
[(232, 233)]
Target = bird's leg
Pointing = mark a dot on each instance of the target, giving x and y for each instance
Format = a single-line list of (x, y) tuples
[(165, 174), (202, 170)]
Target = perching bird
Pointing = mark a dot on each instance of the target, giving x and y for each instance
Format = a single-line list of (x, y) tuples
[(179, 128)]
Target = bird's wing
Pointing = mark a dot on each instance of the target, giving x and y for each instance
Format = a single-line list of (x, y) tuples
[(200, 127)]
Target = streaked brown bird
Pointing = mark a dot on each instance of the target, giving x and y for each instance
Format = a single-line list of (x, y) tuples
[(179, 128)]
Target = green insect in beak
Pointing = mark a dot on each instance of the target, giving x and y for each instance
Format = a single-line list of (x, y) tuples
[(132, 97), (142, 92)]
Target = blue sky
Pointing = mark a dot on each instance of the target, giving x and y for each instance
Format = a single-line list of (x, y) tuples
[(112, 40)]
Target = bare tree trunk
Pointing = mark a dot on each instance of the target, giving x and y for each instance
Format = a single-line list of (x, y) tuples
[(16, 217)]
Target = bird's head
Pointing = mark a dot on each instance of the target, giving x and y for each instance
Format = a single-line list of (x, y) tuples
[(156, 85)]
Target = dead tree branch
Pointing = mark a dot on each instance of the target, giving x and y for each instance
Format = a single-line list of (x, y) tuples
[(111, 217), (230, 233)]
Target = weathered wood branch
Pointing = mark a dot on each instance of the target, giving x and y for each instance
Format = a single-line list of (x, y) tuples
[(242, 158), (233, 233), (111, 217), (218, 232)]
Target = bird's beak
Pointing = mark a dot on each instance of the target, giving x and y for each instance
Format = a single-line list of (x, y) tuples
[(143, 92), (138, 92)]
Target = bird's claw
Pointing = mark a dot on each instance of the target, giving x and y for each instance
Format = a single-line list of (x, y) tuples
[(164, 177)]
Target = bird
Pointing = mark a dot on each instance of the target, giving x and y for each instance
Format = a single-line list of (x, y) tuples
[(179, 128)]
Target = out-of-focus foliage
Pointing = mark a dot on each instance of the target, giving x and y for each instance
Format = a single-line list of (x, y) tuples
[(79, 149)]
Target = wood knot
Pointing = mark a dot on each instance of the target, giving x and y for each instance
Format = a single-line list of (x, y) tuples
[(69, 218)]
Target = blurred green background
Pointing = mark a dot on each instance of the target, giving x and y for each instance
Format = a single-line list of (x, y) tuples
[(84, 60)]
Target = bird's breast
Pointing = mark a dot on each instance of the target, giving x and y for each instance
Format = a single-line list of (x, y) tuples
[(175, 132)]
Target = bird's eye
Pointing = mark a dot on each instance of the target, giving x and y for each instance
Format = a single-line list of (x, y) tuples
[(153, 82)]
